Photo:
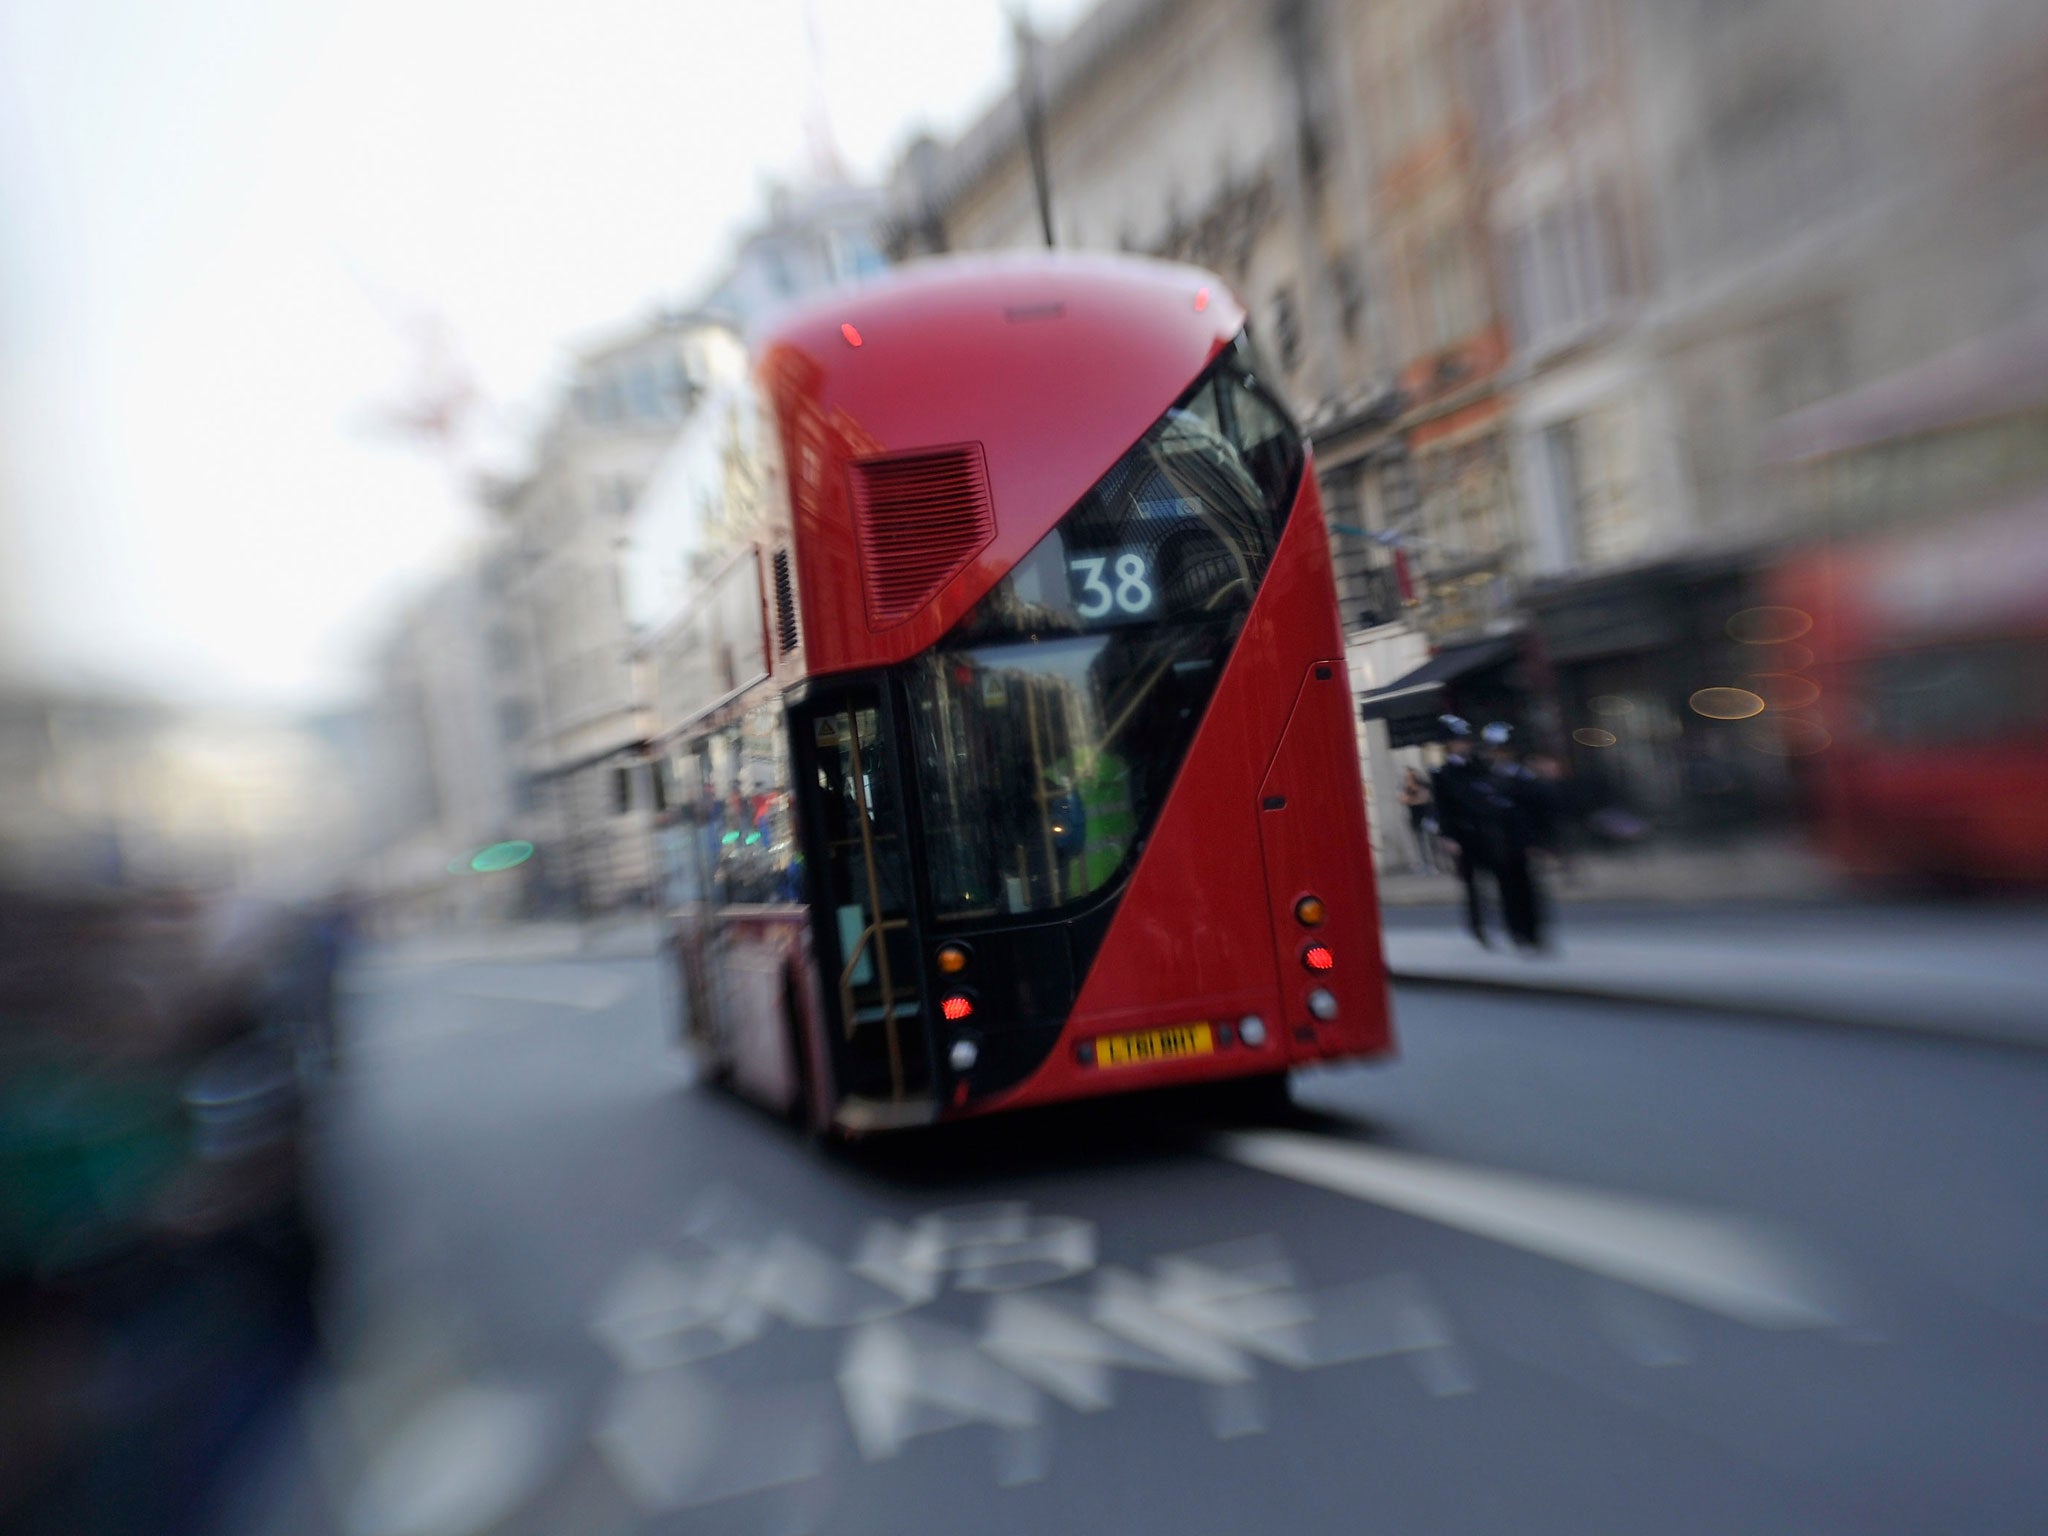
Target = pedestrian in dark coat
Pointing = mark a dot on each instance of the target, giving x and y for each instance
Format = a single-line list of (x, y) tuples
[(1468, 816), (1525, 818)]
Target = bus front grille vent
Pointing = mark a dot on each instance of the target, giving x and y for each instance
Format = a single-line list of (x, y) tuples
[(785, 604), (921, 518)]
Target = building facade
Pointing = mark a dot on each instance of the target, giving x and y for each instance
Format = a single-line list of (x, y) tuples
[(440, 777), (1805, 197), (1540, 276), (612, 524), (1228, 135), (812, 239), (562, 601), (101, 791)]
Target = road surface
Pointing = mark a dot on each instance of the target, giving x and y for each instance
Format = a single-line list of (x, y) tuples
[(1564, 1267)]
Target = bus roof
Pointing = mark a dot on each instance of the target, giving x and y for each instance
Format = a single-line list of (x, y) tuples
[(1050, 365), (1985, 574)]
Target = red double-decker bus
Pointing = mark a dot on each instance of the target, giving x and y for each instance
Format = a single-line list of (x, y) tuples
[(1009, 756), (1919, 625)]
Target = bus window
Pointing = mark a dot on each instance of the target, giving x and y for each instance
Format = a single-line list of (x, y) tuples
[(1049, 726), (749, 833), (1256, 425), (1977, 694), (682, 862)]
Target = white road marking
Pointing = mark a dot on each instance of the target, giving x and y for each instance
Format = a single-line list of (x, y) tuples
[(661, 1313), (460, 1464), (1722, 1263), (905, 1378), (674, 1440)]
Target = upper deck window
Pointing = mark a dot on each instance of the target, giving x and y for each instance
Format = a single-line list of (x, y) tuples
[(1180, 529), (1049, 725)]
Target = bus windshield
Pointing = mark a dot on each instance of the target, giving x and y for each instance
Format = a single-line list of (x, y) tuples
[(1048, 726)]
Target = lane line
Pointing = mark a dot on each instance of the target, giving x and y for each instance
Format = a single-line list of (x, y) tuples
[(1722, 1263)]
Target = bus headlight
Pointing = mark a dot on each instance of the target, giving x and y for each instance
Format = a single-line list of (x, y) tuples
[(1252, 1030)]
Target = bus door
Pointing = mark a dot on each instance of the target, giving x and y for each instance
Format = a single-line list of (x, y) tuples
[(862, 906)]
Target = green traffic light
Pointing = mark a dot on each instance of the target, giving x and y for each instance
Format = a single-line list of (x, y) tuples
[(502, 856)]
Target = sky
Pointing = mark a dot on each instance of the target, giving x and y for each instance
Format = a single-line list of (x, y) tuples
[(224, 222)]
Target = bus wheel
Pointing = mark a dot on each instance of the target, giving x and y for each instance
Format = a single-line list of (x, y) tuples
[(799, 1110)]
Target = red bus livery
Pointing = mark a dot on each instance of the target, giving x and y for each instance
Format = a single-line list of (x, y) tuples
[(1009, 759), (1920, 626)]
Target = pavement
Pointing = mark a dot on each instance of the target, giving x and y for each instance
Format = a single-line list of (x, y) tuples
[(1975, 971), (1749, 869), (1562, 1267)]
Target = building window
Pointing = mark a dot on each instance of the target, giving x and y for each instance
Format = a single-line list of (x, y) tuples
[(1518, 262), (643, 390), (622, 791), (1564, 267), (1285, 335), (1393, 98), (515, 719), (675, 387), (602, 401), (743, 817), (1350, 297), (1592, 463), (1415, 289), (1517, 88), (1450, 306), (1426, 68), (1571, 44)]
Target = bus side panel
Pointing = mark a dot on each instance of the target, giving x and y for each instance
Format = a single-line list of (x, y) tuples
[(699, 1026), (1312, 827), (761, 948), (1192, 936), (1958, 810)]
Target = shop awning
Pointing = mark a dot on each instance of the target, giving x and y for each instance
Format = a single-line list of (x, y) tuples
[(1421, 692)]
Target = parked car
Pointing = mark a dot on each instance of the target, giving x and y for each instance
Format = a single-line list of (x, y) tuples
[(157, 1260)]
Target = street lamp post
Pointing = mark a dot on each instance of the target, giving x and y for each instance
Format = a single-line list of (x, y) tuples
[(1032, 108)]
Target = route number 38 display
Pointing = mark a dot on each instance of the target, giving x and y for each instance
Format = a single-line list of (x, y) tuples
[(1111, 588)]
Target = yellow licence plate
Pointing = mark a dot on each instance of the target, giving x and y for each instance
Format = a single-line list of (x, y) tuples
[(1149, 1045)]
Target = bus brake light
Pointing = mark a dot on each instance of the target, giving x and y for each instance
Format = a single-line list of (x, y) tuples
[(1317, 957), (956, 1008)]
